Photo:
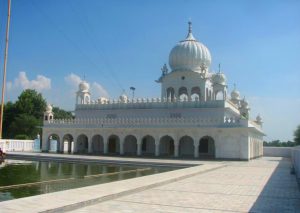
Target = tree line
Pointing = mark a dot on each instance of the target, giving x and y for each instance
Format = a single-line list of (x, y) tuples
[(23, 119)]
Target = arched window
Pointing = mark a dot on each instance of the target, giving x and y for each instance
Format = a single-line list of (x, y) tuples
[(183, 93), (195, 93), (170, 93), (219, 95)]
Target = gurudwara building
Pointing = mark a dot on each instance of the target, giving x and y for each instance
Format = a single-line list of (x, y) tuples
[(194, 117)]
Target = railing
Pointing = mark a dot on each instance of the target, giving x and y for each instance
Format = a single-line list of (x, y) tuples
[(147, 122), (154, 103), (254, 124), (9, 145)]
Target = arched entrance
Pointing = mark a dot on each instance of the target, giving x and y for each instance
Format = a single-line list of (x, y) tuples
[(148, 145), (53, 143), (207, 147), (68, 142), (166, 146), (114, 144), (195, 94), (183, 94), (130, 145), (186, 147), (97, 144), (171, 93), (82, 145)]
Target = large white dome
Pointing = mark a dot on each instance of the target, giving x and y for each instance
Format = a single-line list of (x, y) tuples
[(189, 54)]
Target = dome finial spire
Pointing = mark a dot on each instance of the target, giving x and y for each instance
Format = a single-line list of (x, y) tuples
[(190, 26), (190, 35)]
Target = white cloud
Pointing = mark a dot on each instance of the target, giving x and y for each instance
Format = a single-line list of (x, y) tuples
[(22, 82), (99, 90), (73, 80), (96, 89)]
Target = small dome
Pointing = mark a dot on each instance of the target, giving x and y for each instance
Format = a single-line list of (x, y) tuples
[(258, 119), (235, 94), (244, 103), (189, 55), (123, 98), (219, 78), (49, 108), (84, 86)]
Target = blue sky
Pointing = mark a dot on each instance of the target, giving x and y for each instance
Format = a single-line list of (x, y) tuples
[(121, 43)]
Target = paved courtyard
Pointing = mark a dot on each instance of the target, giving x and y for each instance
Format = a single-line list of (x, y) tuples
[(263, 185)]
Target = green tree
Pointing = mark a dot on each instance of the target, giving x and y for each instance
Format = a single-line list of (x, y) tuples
[(61, 114), (24, 117), (9, 115), (32, 103), (297, 135), (25, 124)]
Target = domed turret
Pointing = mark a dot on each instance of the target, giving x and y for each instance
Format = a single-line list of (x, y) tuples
[(84, 86), (219, 78), (244, 104), (123, 98), (189, 55), (48, 114), (258, 119), (83, 95), (49, 108), (235, 96)]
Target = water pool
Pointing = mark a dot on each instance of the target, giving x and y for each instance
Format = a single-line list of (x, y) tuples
[(27, 178)]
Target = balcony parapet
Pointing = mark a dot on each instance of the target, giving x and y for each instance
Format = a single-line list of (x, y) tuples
[(153, 122), (154, 103)]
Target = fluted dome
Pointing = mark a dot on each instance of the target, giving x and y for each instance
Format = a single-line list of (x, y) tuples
[(189, 55), (235, 94), (49, 108), (244, 103), (258, 119), (84, 86), (219, 78), (123, 98)]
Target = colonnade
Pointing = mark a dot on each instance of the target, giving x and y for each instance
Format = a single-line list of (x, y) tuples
[(135, 145)]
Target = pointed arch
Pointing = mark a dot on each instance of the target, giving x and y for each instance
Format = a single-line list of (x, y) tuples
[(97, 144), (186, 147), (130, 145), (166, 146), (148, 145), (82, 144), (207, 147), (114, 144)]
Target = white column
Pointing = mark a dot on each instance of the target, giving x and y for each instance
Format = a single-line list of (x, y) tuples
[(90, 147), (196, 149), (122, 142), (45, 147), (105, 145), (156, 147), (139, 148), (176, 149)]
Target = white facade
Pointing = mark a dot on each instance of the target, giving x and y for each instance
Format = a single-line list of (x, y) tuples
[(194, 117)]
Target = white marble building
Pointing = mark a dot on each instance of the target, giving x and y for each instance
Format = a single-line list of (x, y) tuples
[(194, 117)]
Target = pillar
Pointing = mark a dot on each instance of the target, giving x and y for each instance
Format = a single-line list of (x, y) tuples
[(122, 142), (176, 149), (105, 145), (90, 147), (156, 147), (139, 147), (196, 148)]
